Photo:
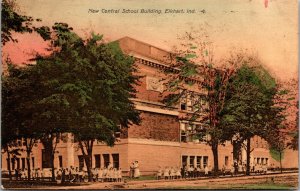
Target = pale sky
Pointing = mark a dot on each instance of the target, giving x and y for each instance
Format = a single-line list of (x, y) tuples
[(269, 31)]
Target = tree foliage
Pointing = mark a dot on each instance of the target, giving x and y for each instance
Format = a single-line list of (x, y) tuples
[(196, 67), (84, 87), (12, 21), (250, 107), (92, 81)]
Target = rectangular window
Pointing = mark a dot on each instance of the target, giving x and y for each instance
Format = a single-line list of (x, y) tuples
[(81, 161), (97, 161), (182, 132), (258, 161), (115, 160), (106, 160), (267, 161), (18, 163), (205, 161), (192, 160), (262, 160), (226, 160), (198, 161), (183, 103), (184, 161), (32, 160), (187, 132), (60, 161), (23, 163), (183, 106), (13, 164), (45, 159)]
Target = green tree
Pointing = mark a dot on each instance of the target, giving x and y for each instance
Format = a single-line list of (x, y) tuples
[(11, 21), (18, 97), (249, 108), (95, 81), (195, 66)]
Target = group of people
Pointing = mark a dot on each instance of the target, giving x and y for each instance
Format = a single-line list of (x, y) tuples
[(241, 168), (183, 172), (72, 174), (106, 174), (35, 174), (134, 170), (258, 168)]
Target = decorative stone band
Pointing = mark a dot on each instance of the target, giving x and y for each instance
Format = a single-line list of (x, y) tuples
[(156, 110), (156, 64), (152, 142)]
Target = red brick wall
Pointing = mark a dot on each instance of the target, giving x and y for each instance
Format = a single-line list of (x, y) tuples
[(156, 126)]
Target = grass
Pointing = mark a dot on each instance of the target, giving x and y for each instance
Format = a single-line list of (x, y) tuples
[(143, 178), (237, 187)]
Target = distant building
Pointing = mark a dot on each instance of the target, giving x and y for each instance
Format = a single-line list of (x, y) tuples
[(164, 138)]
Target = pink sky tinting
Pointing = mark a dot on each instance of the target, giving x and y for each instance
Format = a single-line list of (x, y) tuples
[(269, 28)]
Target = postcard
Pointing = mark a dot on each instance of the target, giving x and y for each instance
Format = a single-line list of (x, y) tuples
[(130, 94)]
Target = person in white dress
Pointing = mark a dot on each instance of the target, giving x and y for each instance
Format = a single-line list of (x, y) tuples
[(104, 175), (96, 174), (172, 173), (166, 173), (206, 170), (159, 173), (59, 175), (191, 171), (33, 174), (131, 172), (115, 175), (178, 173), (136, 170), (232, 170), (23, 174), (100, 175), (109, 166), (109, 175), (119, 175), (40, 174)]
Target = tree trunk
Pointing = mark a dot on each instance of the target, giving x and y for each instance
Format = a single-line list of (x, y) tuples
[(88, 166), (248, 157), (28, 164), (236, 150), (8, 163), (52, 167), (87, 156), (280, 161), (49, 148), (89, 159), (214, 147)]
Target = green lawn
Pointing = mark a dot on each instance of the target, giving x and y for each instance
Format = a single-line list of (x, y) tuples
[(142, 178), (264, 186)]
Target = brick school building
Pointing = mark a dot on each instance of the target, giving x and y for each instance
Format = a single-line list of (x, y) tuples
[(164, 137)]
